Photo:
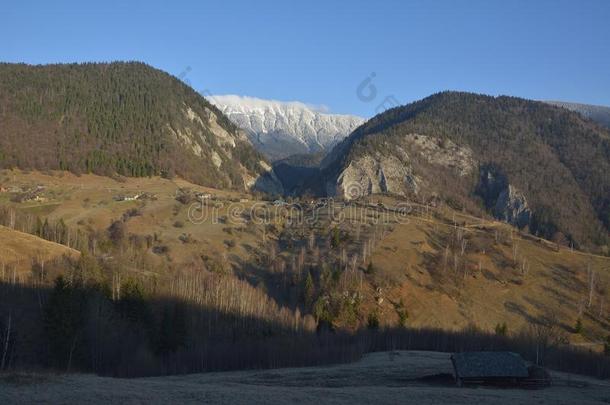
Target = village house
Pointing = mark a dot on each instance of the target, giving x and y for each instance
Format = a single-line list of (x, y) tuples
[(131, 197), (127, 197), (203, 196), (38, 198), (28, 196)]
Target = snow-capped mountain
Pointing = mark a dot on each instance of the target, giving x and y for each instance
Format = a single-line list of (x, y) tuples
[(597, 113), (280, 129)]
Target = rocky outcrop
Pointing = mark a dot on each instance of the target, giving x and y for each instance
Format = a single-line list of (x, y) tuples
[(391, 168), (503, 199), (220, 149), (511, 206), (375, 174), (442, 152)]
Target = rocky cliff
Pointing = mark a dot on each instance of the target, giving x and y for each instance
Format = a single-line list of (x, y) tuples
[(396, 168)]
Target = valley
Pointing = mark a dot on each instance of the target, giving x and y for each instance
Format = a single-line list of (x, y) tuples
[(157, 237), (305, 202), (406, 263)]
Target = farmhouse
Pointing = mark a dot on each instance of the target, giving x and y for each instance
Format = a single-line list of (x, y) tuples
[(127, 197), (28, 196), (203, 196), (495, 368)]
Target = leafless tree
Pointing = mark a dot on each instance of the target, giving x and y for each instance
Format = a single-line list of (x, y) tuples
[(601, 288), (546, 333), (591, 277), (463, 245)]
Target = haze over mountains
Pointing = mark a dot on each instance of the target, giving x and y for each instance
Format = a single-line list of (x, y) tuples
[(280, 129)]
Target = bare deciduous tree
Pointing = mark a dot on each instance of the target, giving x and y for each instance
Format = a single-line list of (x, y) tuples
[(591, 277)]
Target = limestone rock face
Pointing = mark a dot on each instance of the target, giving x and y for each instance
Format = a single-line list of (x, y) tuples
[(391, 169), (372, 175), (503, 199), (220, 149), (511, 206), (442, 152)]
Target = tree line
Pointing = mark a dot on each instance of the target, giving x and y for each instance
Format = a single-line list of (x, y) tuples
[(76, 326)]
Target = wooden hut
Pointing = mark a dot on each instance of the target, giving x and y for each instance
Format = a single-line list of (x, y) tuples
[(497, 368)]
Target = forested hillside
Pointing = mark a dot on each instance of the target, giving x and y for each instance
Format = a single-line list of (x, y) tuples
[(559, 160), (125, 118)]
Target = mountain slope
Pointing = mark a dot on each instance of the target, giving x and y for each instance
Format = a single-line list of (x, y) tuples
[(528, 162), (295, 171), (20, 249), (597, 113), (280, 129), (125, 118)]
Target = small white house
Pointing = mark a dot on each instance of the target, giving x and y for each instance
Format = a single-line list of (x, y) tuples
[(203, 196), (131, 197)]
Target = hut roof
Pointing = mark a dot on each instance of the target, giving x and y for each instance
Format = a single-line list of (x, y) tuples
[(489, 365)]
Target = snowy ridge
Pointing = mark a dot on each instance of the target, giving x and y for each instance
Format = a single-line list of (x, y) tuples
[(280, 129), (597, 113)]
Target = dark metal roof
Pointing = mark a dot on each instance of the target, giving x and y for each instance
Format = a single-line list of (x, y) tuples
[(489, 365)]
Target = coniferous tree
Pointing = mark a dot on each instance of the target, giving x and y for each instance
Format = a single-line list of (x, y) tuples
[(64, 319)]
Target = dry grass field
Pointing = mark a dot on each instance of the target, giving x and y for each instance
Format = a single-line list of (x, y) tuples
[(18, 250), (405, 377)]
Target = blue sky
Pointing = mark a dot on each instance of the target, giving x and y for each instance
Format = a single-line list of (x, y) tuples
[(319, 52)]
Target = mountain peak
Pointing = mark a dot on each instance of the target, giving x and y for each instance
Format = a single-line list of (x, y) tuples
[(283, 128)]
